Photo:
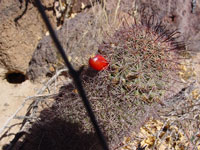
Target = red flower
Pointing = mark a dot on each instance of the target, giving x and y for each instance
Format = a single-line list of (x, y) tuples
[(98, 62)]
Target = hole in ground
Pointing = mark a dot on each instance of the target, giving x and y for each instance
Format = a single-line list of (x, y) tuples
[(15, 77)]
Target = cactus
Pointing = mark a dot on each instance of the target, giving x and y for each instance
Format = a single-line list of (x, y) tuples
[(143, 62)]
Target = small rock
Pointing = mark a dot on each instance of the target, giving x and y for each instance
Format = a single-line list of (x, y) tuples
[(6, 104)]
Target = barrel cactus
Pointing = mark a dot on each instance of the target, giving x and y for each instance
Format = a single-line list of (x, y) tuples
[(143, 64)]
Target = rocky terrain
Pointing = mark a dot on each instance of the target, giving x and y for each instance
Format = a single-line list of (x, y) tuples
[(28, 57)]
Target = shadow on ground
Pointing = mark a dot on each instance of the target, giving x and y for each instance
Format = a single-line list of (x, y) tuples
[(56, 134), (52, 131)]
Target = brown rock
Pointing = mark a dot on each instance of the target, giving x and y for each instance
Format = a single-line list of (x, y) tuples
[(181, 15), (19, 35), (79, 36)]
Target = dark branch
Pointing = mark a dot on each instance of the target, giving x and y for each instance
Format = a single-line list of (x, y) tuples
[(74, 74)]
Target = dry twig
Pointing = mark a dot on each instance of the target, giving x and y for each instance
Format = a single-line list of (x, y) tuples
[(34, 103)]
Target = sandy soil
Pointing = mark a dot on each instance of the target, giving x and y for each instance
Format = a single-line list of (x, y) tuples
[(11, 98)]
